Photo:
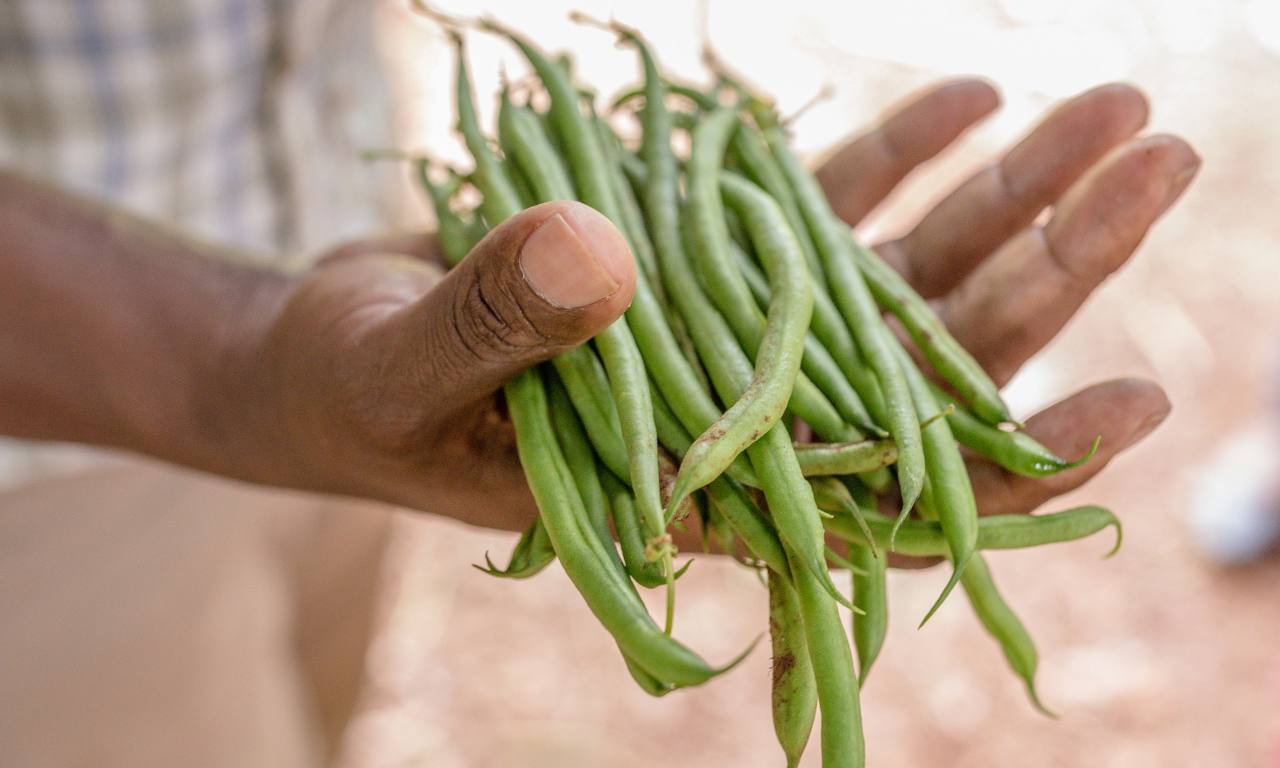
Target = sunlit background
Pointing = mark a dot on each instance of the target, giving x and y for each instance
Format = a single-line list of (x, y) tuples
[(1156, 657)]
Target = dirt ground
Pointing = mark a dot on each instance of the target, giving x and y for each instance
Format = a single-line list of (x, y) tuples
[(1154, 657)]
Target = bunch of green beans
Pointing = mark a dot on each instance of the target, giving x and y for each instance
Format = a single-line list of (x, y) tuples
[(756, 311)]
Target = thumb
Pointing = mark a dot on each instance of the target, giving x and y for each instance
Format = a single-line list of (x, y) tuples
[(545, 280)]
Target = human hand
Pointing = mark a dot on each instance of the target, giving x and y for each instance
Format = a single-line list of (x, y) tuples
[(1005, 284), (376, 372)]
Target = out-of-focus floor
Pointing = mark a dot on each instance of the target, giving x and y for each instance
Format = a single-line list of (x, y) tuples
[(1152, 658)]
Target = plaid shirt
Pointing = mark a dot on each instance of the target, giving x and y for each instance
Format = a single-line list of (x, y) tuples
[(236, 120)]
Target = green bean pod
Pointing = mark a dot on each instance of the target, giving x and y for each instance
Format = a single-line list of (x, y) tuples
[(790, 499), (606, 594), (952, 361), (526, 144), (622, 358), (854, 300), (1004, 625), (817, 459), (500, 193), (630, 535), (628, 205), (725, 284), (452, 231), (727, 497), (581, 461), (837, 683), (531, 554), (778, 354), (924, 538), (1017, 452), (870, 594), (794, 693), (947, 489)]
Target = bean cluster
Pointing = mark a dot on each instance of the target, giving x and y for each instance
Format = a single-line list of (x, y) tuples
[(755, 310)]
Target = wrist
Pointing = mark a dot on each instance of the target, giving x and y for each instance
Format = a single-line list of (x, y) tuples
[(231, 426)]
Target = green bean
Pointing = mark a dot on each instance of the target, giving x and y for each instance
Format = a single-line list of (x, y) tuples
[(527, 145), (999, 619), (614, 605), (451, 229), (581, 461), (530, 555), (827, 323), (837, 683), (790, 499), (776, 467), (728, 497), (634, 216), (856, 304), (630, 536), (700, 99), (725, 283), (952, 361), (947, 489), (761, 167), (794, 691), (821, 367), (622, 358), (1004, 625), (1017, 452), (628, 206), (845, 458), (869, 594), (777, 355), (922, 538), (832, 495), (500, 193)]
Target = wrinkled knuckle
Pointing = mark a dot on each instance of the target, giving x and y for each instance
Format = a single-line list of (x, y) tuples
[(493, 324)]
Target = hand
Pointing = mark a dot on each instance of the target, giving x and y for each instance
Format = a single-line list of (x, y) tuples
[(1004, 284), (378, 371)]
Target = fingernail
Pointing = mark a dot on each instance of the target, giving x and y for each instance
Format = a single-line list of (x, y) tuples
[(566, 259), (1180, 183), (1148, 425)]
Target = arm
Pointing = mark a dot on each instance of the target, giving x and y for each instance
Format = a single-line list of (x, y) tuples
[(371, 374), (115, 332)]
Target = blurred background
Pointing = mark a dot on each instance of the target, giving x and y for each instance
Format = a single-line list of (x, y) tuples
[(1156, 657)]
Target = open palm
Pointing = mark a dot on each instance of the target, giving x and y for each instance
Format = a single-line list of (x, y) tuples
[(1006, 284)]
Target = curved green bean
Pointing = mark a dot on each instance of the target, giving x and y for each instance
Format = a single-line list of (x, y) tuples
[(947, 491), (794, 693), (869, 594), (924, 538), (952, 361), (790, 499), (531, 554), (452, 231), (614, 605), (1004, 625), (854, 300), (630, 535), (834, 676), (778, 352), (818, 459), (1017, 452)]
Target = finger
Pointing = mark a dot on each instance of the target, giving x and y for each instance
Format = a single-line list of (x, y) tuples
[(1122, 412), (999, 201), (545, 280), (1019, 299), (863, 172)]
